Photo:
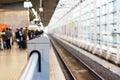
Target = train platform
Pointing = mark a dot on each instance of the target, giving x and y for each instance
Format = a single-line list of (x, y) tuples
[(85, 36), (55, 70), (13, 62)]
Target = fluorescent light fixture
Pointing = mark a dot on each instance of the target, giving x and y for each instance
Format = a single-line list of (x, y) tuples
[(35, 13), (27, 4)]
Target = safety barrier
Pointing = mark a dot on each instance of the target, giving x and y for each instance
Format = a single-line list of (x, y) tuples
[(31, 68), (38, 56)]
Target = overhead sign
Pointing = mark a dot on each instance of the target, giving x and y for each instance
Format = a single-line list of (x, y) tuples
[(27, 4)]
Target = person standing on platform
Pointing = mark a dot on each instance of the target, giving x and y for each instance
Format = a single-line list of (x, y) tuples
[(1, 41), (8, 34), (13, 37), (25, 36), (17, 36), (20, 37)]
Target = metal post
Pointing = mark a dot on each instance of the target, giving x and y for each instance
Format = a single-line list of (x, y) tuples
[(95, 28), (118, 30), (108, 31), (101, 35), (80, 25), (28, 14)]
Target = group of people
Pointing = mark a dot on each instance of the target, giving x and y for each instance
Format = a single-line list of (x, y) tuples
[(34, 33), (6, 39), (21, 36)]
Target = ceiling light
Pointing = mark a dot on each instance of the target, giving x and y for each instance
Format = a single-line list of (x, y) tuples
[(41, 9)]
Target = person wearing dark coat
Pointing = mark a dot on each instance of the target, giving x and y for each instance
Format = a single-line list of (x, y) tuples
[(8, 34), (17, 36), (20, 32)]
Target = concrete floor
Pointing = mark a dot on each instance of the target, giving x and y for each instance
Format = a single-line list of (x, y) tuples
[(12, 63)]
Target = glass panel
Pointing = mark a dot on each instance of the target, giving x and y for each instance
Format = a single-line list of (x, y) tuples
[(114, 5), (98, 20), (110, 28), (103, 29), (98, 11), (104, 11), (98, 3), (103, 19), (104, 39), (111, 18), (115, 17), (111, 7), (103, 2)]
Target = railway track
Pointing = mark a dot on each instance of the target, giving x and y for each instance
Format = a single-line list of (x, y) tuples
[(75, 69)]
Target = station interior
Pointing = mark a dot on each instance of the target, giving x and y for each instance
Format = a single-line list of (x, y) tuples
[(59, 39)]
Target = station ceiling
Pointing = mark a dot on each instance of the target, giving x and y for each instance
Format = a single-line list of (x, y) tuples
[(48, 7)]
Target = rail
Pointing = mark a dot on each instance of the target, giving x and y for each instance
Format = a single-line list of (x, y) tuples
[(31, 68)]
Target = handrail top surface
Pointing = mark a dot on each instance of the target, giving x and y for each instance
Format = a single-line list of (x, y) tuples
[(39, 40)]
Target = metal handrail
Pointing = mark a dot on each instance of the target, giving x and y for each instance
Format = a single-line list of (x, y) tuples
[(31, 68)]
